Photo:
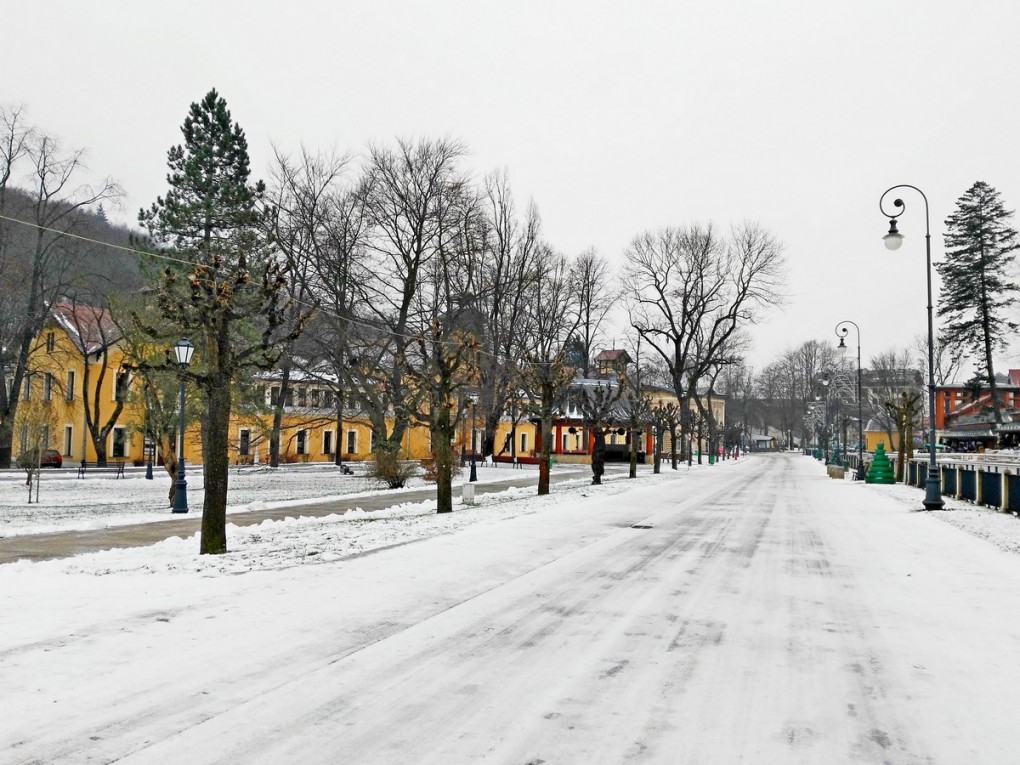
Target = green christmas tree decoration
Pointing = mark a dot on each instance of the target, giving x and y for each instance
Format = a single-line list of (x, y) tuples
[(881, 469)]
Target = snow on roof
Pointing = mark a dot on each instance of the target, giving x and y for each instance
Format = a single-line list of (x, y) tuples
[(89, 327)]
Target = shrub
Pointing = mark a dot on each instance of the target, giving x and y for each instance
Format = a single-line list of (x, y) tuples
[(388, 467), (428, 464)]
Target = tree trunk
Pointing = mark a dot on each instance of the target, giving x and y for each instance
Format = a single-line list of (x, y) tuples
[(633, 453), (99, 444), (658, 450), (672, 447), (216, 464), (442, 435), (545, 452), (598, 455), (6, 439)]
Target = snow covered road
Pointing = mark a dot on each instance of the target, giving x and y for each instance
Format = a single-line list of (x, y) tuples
[(767, 615)]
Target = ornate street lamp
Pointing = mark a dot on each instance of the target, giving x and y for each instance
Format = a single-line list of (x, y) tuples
[(842, 330), (893, 240), (182, 352)]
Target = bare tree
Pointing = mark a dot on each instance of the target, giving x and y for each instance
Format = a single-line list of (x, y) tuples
[(689, 292), (590, 274), (509, 273), (405, 193), (94, 334), (446, 324), (598, 404), (546, 374), (303, 196), (37, 254), (891, 374)]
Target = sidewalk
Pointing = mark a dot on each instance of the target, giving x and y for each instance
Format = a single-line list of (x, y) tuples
[(64, 544)]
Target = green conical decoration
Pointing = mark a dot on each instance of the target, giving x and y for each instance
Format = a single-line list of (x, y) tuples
[(881, 469)]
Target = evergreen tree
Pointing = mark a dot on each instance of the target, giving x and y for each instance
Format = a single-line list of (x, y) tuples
[(977, 292), (229, 294)]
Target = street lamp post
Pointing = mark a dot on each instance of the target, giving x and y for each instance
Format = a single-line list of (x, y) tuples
[(893, 240), (842, 330), (182, 352), (148, 444), (825, 380), (474, 469)]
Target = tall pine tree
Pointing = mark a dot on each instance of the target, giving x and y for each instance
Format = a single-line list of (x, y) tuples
[(229, 293), (977, 291)]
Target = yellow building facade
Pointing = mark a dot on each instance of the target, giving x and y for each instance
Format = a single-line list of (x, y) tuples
[(77, 357)]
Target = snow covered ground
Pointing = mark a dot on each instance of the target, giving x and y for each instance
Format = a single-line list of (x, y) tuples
[(67, 503), (266, 654)]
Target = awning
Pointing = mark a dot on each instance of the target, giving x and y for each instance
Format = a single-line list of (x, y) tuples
[(967, 434)]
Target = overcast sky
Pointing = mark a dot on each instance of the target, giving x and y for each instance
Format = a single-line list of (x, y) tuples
[(614, 117)]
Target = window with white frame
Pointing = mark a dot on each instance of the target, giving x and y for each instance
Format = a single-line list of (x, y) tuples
[(243, 442), (327, 442), (524, 443), (69, 386), (44, 437), (47, 387), (302, 442), (352, 442), (120, 386), (68, 439), (118, 443)]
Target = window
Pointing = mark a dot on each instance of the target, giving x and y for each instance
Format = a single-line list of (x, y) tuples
[(119, 443), (26, 388), (47, 390), (302, 397), (51, 342), (24, 437), (327, 442), (274, 395), (68, 439), (524, 443), (352, 442), (328, 399), (302, 442), (564, 447), (314, 397), (69, 388), (121, 386), (244, 442), (44, 437)]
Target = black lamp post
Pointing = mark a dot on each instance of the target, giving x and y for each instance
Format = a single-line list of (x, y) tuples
[(825, 380), (842, 330), (149, 445), (893, 240), (182, 352), (474, 469)]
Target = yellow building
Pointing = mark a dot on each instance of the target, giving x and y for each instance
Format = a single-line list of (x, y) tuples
[(74, 375)]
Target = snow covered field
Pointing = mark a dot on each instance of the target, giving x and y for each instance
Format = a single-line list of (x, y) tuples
[(68, 503), (299, 645)]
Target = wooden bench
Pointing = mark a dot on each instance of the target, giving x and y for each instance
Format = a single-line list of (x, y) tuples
[(84, 467)]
